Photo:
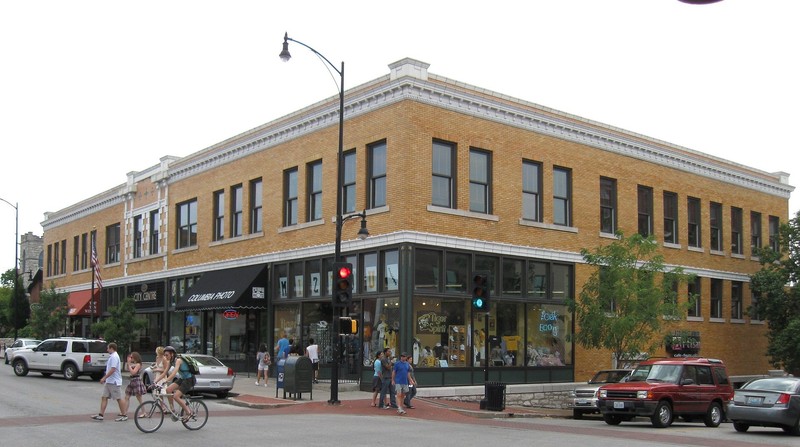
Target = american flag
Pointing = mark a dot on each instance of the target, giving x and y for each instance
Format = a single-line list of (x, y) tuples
[(96, 267)]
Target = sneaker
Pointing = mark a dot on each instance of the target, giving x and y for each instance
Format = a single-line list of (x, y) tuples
[(257, 384), (98, 417), (409, 406), (122, 418), (401, 412), (386, 407)]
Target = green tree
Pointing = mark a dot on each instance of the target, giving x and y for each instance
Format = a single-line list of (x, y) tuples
[(17, 311), (779, 298), (49, 317), (630, 300), (122, 326)]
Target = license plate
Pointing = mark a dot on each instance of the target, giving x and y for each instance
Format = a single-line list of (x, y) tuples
[(619, 405), (214, 384), (754, 400), (102, 361), (583, 402)]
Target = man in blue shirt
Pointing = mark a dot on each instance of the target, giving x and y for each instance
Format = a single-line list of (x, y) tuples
[(400, 381), (282, 348)]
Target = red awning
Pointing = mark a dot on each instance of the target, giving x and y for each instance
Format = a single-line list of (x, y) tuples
[(79, 303)]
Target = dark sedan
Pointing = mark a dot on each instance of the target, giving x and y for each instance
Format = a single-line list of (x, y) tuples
[(768, 402)]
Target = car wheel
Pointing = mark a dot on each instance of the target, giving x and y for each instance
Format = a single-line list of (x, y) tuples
[(740, 427), (20, 368), (222, 394), (70, 372), (794, 429), (577, 414), (47, 374), (713, 415), (612, 419), (662, 418)]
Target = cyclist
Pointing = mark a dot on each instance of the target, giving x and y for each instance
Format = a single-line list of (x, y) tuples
[(181, 377)]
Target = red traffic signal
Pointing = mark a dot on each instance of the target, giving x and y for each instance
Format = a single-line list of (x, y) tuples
[(342, 284)]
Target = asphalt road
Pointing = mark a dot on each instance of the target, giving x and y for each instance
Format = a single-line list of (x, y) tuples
[(39, 411)]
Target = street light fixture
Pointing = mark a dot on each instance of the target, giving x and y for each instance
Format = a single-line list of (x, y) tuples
[(14, 304), (340, 220)]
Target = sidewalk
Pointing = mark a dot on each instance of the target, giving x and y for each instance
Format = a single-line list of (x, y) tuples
[(354, 401)]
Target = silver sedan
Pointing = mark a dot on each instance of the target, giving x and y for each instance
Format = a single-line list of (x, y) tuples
[(214, 377), (767, 402)]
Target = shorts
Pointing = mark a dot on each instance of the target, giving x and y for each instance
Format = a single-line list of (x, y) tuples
[(400, 388), (185, 385), (315, 365), (112, 391), (263, 366), (376, 383)]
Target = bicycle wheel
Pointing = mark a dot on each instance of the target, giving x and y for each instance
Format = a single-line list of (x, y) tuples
[(200, 411), (149, 416)]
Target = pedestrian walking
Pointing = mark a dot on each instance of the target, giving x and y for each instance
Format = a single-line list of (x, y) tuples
[(312, 352), (112, 385), (263, 359), (400, 381), (135, 386)]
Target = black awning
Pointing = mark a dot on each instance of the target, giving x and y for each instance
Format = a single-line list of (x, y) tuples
[(236, 288)]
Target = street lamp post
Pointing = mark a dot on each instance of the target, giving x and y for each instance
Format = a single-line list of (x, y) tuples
[(14, 304), (340, 220)]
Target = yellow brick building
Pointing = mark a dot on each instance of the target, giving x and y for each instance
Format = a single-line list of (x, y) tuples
[(232, 246)]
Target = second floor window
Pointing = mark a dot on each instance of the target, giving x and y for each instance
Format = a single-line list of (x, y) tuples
[(219, 215), (237, 211), (532, 191), (736, 300), (155, 228), (774, 230), (138, 230), (693, 216), (695, 292), (349, 183), (645, 201), (736, 231), (443, 171), (377, 175), (480, 181), (76, 257), (256, 219), (755, 232), (670, 217), (716, 298), (608, 205), (112, 244), (290, 197), (715, 222), (187, 224), (84, 251), (314, 188), (562, 196)]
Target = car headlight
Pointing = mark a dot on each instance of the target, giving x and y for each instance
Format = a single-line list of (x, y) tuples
[(602, 394), (641, 394)]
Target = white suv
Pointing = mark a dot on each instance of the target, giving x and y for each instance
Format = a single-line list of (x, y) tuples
[(69, 356)]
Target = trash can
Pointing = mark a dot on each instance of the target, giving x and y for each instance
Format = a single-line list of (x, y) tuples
[(495, 396), (298, 377)]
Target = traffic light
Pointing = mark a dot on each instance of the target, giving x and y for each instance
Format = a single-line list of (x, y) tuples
[(342, 284), (480, 291), (348, 326)]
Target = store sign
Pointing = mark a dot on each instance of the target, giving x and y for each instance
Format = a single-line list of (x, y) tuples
[(683, 343), (230, 314), (431, 323)]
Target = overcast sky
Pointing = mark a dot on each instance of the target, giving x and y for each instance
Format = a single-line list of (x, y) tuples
[(92, 90)]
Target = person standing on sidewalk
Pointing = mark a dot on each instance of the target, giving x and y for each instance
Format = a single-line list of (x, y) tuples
[(412, 385), (386, 381), (400, 381), (376, 378), (112, 385), (263, 360), (312, 352)]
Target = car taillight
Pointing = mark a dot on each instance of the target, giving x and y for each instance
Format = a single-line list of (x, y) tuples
[(87, 358), (230, 371), (783, 399)]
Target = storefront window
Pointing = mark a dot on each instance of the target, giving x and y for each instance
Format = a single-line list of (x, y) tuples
[(327, 275), (381, 319), (370, 263), (427, 265), (441, 337), (314, 277), (231, 338), (457, 277), (151, 336), (506, 331), (562, 281), (316, 326), (287, 322), (391, 270), (549, 326), (489, 264), (537, 279), (282, 276), (512, 276), (296, 277)]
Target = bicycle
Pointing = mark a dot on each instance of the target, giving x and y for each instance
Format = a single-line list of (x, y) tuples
[(149, 415)]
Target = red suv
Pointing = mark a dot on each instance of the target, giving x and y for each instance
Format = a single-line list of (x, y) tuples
[(661, 389)]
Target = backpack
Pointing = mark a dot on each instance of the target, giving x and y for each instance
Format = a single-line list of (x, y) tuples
[(191, 363)]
